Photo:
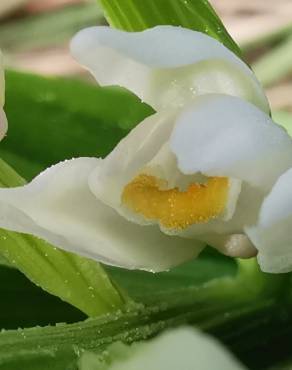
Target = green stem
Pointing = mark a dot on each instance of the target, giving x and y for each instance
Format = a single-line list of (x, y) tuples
[(78, 281), (255, 283), (137, 15)]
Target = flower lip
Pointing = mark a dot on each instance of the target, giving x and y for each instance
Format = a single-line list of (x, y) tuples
[(219, 136), (175, 209)]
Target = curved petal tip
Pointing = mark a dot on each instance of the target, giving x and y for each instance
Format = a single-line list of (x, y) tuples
[(3, 124)]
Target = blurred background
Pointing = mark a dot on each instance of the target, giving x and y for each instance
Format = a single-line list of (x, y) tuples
[(34, 36)]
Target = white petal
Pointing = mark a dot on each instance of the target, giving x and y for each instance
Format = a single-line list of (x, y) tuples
[(226, 136), (59, 207), (272, 236), (130, 156), (221, 135), (165, 65)]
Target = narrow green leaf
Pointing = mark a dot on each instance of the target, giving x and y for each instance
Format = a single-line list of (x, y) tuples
[(268, 39), (276, 64), (79, 281), (19, 35), (137, 15), (9, 177)]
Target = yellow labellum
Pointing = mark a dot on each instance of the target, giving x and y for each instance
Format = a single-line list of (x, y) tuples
[(173, 208)]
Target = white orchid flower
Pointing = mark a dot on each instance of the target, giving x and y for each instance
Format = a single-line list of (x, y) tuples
[(182, 348), (3, 120), (195, 172)]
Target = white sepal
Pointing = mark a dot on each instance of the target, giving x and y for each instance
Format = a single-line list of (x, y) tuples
[(165, 65), (59, 207)]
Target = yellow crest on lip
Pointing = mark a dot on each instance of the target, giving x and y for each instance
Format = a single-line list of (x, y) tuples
[(176, 209)]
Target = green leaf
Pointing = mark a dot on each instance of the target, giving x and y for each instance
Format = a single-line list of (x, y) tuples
[(218, 306), (137, 15), (63, 118), (79, 281), (148, 287)]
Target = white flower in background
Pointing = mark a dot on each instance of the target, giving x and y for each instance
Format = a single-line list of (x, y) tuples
[(195, 172), (183, 348), (3, 120)]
